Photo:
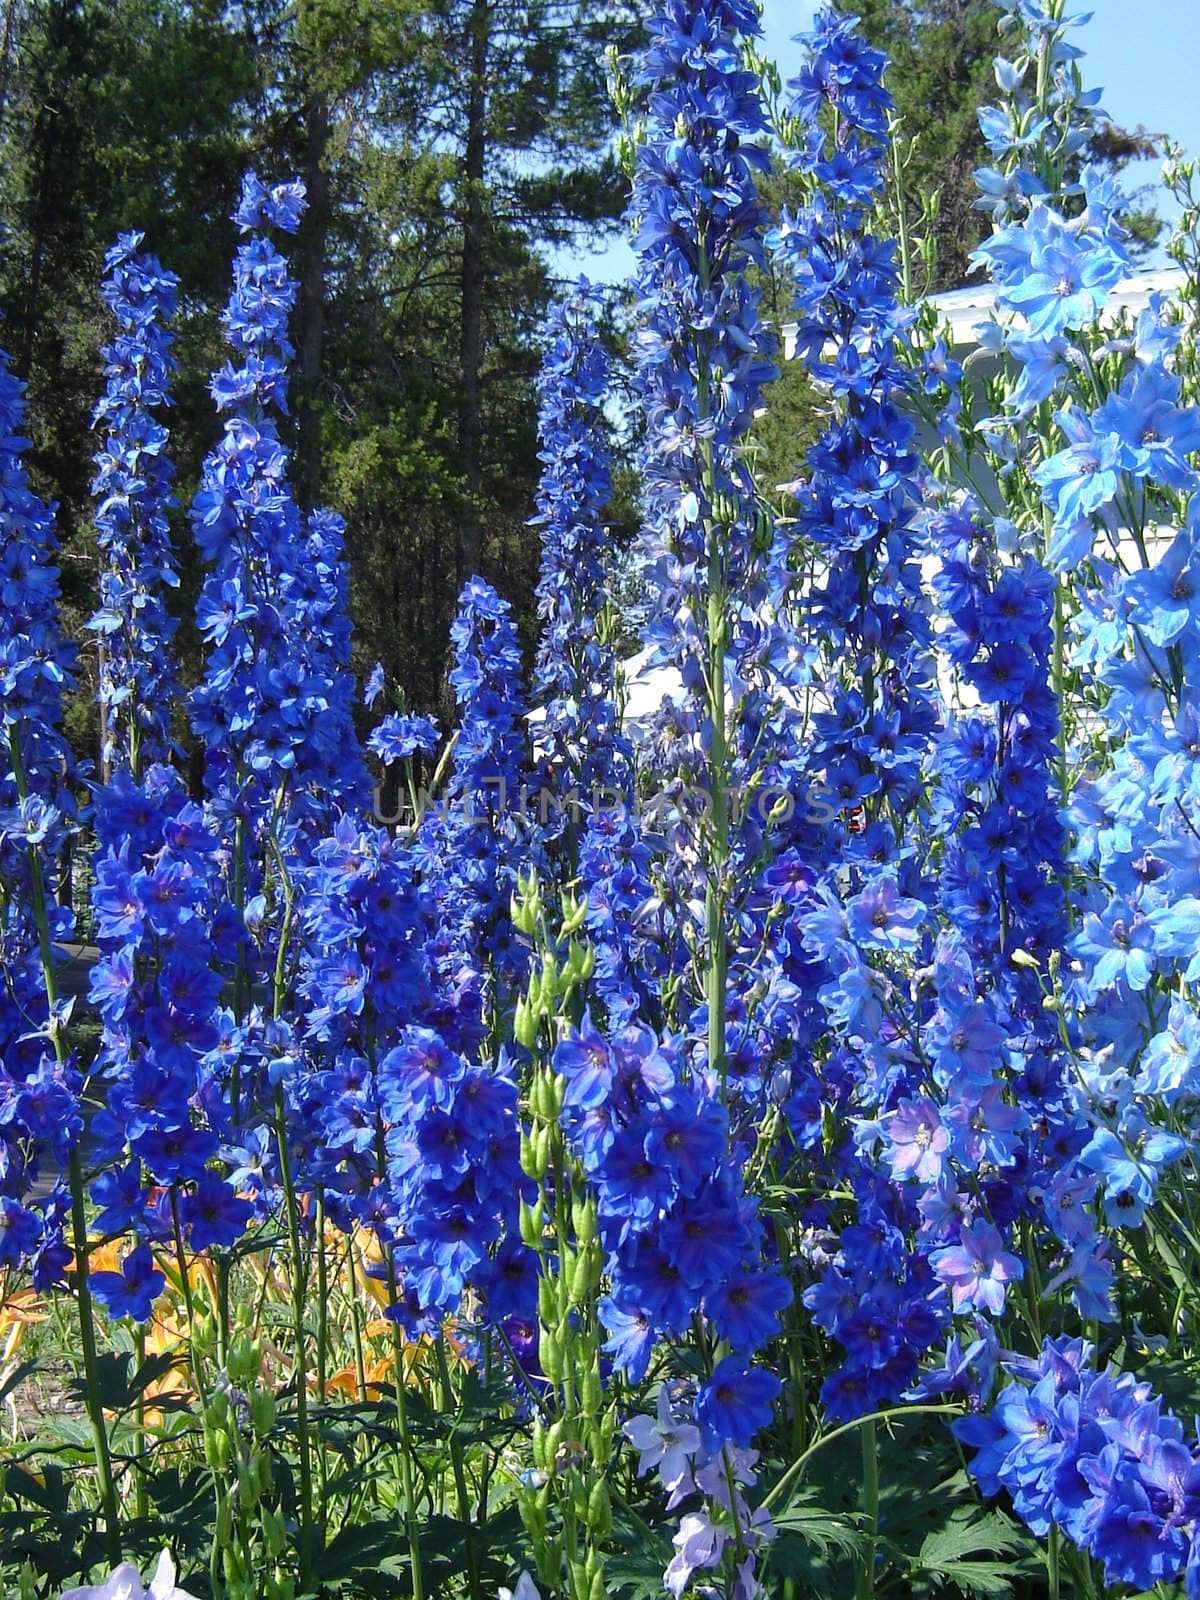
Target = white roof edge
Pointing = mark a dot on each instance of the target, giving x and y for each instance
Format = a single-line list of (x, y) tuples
[(965, 308)]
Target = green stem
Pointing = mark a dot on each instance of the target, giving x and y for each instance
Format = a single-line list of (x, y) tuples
[(322, 1342), (864, 1587), (141, 1499), (185, 1284), (1052, 1579), (796, 1471), (904, 239), (360, 1365), (716, 977), (91, 1365), (299, 1295), (460, 1478), (406, 1459)]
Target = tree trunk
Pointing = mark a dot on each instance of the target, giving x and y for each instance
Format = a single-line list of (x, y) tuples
[(470, 420), (312, 294), (41, 221)]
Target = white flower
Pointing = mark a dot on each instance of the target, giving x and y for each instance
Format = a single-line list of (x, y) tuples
[(668, 1444), (526, 1590), (125, 1583)]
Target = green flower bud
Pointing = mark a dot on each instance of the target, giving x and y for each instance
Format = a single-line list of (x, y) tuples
[(530, 1217), (525, 1024), (543, 1148), (556, 1089), (547, 1300), (599, 1514), (591, 1392), (216, 1449), (245, 1360), (573, 912), (223, 1526), (584, 1219), (262, 1412), (550, 1355)]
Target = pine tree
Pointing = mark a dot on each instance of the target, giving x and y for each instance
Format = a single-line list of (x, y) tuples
[(940, 73)]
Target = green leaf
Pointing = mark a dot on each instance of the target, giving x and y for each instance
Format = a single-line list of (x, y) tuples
[(47, 1490), (951, 1554), (826, 1531), (112, 1373), (151, 1370), (637, 1573), (17, 1376), (363, 1548)]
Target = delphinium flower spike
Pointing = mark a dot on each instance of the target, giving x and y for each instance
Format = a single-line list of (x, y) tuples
[(574, 675), (40, 1082), (138, 685)]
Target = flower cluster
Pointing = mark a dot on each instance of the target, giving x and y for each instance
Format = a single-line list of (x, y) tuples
[(880, 1300), (631, 949), (274, 706), (157, 989), (133, 479), (858, 502), (471, 840), (575, 668), (454, 1181), (366, 975), (703, 356), (679, 1234), (39, 1085), (1089, 440), (855, 900), (1098, 1454), (677, 1444)]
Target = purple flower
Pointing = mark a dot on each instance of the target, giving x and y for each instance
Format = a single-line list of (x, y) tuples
[(917, 1141), (699, 1545), (665, 1442), (978, 1269), (881, 917)]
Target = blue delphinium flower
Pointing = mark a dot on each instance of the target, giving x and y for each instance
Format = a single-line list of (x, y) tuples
[(274, 706), (1097, 1453), (574, 675), (274, 710), (680, 1235), (157, 989), (454, 1181), (476, 836), (702, 356), (132, 1291), (39, 1083), (858, 915), (138, 685), (735, 1403), (1075, 1122)]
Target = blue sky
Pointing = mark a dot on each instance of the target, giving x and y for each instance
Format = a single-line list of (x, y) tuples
[(1145, 54)]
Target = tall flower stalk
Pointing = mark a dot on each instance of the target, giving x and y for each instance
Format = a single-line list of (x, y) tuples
[(574, 675), (702, 356), (41, 1085), (138, 685)]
